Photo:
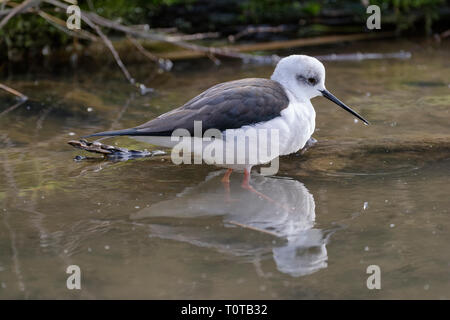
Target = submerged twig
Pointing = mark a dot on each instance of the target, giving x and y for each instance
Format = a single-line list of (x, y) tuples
[(246, 226), (111, 152), (14, 92), (13, 107), (21, 96)]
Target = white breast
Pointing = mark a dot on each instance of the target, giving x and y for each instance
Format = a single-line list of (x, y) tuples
[(295, 126), (300, 120)]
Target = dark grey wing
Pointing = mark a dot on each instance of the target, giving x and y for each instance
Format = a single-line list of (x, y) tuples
[(228, 105)]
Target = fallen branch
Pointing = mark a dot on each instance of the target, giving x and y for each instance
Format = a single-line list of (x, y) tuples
[(304, 42), (111, 151), (96, 147), (277, 45)]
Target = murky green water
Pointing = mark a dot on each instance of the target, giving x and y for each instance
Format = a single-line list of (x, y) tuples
[(376, 195)]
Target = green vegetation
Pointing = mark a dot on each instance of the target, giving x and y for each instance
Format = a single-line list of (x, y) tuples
[(28, 34), (408, 12)]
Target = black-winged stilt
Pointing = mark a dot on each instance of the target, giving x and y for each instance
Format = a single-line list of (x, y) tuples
[(281, 103)]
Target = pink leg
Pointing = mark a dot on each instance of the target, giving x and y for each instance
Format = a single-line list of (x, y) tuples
[(226, 185), (246, 185), (226, 177)]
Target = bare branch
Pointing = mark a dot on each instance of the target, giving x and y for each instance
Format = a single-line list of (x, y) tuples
[(257, 29), (4, 12), (365, 56), (110, 46), (163, 38), (195, 36), (21, 7)]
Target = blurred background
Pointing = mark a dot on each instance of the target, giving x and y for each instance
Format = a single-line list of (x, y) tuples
[(38, 32)]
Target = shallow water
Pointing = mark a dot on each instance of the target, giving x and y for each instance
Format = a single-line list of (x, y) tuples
[(364, 195)]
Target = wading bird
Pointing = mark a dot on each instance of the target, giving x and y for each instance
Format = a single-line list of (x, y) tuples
[(281, 103)]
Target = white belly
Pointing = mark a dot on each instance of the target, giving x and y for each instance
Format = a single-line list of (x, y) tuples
[(239, 149), (295, 126)]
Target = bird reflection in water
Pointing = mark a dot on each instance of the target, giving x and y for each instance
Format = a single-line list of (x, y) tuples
[(244, 224)]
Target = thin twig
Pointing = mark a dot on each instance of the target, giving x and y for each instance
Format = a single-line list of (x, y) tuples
[(214, 59), (14, 92), (173, 40), (4, 12), (61, 25), (22, 97), (164, 64), (205, 50), (58, 23), (257, 29), (142, 88), (24, 5), (110, 46), (195, 36)]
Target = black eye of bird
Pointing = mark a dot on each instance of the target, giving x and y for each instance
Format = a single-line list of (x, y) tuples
[(312, 81)]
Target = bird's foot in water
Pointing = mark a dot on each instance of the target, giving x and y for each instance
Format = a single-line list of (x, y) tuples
[(226, 184), (308, 145), (246, 185)]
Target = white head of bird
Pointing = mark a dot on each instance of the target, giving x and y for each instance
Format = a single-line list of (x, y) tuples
[(304, 78)]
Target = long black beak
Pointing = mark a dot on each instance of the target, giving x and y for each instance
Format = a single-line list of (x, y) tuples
[(327, 94)]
